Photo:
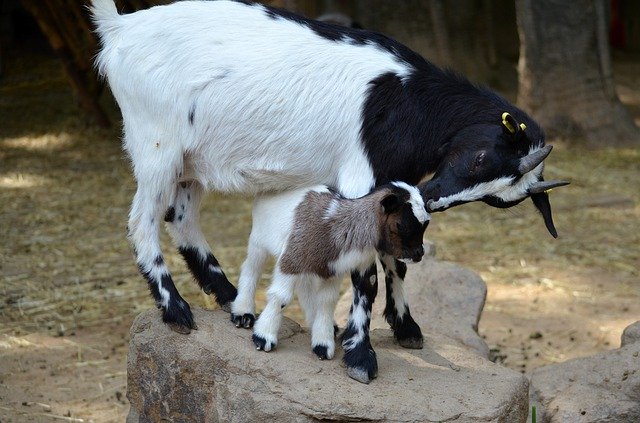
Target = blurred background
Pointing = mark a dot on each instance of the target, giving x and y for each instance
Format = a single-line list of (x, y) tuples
[(69, 287)]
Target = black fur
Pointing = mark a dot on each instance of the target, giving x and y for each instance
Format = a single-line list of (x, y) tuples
[(361, 359), (405, 330), (321, 351), (353, 35), (245, 321), (170, 215), (192, 112), (209, 281), (177, 314)]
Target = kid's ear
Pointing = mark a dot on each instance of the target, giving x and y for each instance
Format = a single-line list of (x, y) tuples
[(390, 203)]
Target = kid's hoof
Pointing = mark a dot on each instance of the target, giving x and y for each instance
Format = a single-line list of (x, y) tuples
[(323, 352), (262, 343), (408, 333), (245, 321), (359, 374), (361, 362)]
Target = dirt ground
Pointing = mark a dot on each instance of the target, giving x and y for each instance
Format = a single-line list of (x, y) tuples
[(69, 288)]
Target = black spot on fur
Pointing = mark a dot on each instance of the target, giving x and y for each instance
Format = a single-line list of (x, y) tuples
[(401, 269), (170, 215), (192, 112), (209, 280), (159, 261), (180, 217)]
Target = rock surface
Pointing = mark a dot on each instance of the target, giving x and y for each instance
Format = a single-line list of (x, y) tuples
[(601, 388), (631, 334), (443, 298), (216, 375)]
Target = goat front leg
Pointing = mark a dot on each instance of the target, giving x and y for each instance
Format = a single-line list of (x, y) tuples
[(183, 224), (322, 329), (405, 330), (359, 356), (243, 308), (144, 224), (279, 295)]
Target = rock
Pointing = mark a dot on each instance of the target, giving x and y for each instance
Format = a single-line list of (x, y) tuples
[(443, 297), (631, 334), (216, 375), (601, 388)]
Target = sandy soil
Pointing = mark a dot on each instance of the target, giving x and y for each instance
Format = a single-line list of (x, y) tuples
[(69, 288)]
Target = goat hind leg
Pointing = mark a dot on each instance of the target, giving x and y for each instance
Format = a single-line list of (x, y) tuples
[(183, 224), (144, 224)]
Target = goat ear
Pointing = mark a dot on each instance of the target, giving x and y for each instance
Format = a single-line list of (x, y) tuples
[(390, 203)]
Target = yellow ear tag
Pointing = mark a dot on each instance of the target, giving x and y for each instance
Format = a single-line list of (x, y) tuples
[(508, 124), (548, 191), (523, 126)]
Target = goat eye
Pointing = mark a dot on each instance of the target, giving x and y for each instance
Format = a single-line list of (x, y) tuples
[(479, 159)]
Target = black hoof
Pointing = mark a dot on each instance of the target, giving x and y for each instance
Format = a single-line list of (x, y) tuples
[(179, 317), (262, 344), (322, 351), (245, 321), (407, 333), (361, 362)]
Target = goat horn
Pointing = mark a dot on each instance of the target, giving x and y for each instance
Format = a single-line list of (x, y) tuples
[(542, 186), (528, 163)]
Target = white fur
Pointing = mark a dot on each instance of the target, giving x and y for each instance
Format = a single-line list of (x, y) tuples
[(417, 202), (254, 129)]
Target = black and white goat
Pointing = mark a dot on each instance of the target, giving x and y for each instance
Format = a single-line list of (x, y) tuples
[(240, 97), (317, 236)]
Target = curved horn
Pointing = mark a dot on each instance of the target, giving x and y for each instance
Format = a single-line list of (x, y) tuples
[(542, 186), (528, 163)]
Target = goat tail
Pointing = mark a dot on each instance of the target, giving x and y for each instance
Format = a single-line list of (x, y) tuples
[(105, 17), (107, 21)]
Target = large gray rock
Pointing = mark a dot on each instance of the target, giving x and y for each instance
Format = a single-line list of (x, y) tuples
[(443, 297), (216, 375), (601, 388), (630, 334)]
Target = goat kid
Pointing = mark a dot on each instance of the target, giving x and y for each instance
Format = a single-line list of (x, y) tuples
[(245, 98), (317, 236)]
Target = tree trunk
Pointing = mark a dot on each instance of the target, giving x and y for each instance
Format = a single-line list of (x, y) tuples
[(565, 77)]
